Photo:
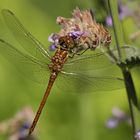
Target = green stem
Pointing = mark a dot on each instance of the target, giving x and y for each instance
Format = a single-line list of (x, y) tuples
[(119, 38), (113, 9), (131, 94)]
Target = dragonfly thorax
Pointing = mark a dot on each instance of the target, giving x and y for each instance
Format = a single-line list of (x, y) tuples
[(58, 60)]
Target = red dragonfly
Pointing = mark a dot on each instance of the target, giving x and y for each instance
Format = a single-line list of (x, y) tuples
[(85, 71)]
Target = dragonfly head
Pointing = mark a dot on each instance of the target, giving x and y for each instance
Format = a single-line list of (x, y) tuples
[(66, 42)]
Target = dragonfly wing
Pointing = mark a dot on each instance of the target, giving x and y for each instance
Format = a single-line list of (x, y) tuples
[(91, 66), (73, 82), (94, 62), (29, 66), (93, 72), (27, 41), (87, 63)]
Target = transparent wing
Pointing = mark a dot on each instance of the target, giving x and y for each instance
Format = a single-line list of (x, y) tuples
[(27, 41), (87, 63), (71, 82), (95, 62), (29, 66), (93, 72)]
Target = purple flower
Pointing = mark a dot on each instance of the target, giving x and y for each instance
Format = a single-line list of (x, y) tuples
[(118, 116), (112, 123), (84, 30), (52, 47), (17, 127), (137, 135), (109, 21), (123, 10), (25, 126), (76, 34)]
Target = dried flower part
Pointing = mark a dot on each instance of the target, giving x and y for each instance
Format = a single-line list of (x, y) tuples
[(83, 30), (17, 127)]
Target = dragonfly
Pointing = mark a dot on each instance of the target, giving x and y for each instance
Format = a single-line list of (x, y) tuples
[(78, 73)]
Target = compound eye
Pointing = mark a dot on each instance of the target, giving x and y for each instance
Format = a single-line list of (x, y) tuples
[(62, 43)]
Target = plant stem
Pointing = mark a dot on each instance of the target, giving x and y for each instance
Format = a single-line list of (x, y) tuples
[(113, 10), (119, 38), (131, 94)]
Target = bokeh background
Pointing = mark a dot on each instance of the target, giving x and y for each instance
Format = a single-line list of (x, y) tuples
[(68, 116)]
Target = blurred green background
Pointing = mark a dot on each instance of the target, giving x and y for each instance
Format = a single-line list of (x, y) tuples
[(65, 116)]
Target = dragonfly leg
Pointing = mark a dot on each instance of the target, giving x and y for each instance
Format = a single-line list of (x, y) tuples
[(82, 52), (75, 53), (72, 55)]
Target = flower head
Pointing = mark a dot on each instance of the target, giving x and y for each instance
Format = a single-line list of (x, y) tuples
[(118, 116), (137, 135), (84, 31), (123, 10), (17, 126)]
